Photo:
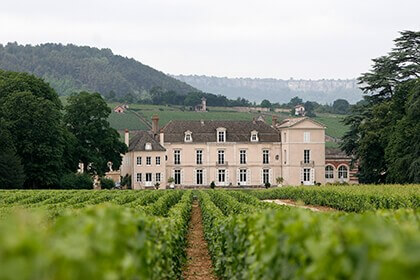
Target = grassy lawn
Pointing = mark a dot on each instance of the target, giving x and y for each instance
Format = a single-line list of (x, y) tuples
[(335, 128)]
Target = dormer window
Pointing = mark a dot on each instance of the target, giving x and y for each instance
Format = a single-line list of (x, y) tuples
[(254, 136), (188, 136), (148, 147), (221, 135)]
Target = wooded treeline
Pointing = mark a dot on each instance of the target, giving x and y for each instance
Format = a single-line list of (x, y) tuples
[(42, 143), (384, 130)]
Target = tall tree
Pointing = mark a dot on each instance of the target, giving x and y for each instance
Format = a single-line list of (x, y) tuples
[(383, 129), (97, 143)]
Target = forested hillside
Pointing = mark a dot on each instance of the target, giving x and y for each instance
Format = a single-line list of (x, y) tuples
[(70, 68)]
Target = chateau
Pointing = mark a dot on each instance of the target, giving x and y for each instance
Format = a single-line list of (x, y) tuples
[(228, 153)]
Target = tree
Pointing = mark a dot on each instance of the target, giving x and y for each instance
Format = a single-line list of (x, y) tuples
[(11, 170), (384, 128), (97, 143), (295, 101), (309, 109), (265, 104), (341, 106), (36, 129)]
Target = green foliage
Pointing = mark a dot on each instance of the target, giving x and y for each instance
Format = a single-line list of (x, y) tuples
[(107, 184), (97, 143), (265, 104), (76, 181)]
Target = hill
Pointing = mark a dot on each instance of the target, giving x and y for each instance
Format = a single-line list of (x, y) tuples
[(70, 68), (276, 90)]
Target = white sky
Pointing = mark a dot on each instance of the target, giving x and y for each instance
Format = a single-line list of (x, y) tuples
[(233, 38)]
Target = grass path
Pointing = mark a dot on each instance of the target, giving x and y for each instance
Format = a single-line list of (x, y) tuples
[(199, 265)]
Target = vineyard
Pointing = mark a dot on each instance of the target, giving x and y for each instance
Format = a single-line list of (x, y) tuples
[(373, 233)]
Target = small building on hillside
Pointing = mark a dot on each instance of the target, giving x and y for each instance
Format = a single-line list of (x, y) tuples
[(299, 110), (339, 167), (121, 108), (203, 106)]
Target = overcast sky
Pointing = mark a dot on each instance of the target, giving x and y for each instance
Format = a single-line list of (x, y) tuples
[(241, 38)]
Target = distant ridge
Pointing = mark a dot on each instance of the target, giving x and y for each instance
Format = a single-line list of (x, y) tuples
[(277, 90), (70, 68)]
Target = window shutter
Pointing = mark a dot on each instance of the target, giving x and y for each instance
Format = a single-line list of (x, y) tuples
[(270, 174), (248, 176), (262, 176), (312, 174), (182, 176), (301, 174), (227, 176), (204, 176), (237, 176)]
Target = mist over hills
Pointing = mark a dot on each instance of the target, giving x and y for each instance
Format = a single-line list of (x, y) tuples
[(70, 68), (277, 90)]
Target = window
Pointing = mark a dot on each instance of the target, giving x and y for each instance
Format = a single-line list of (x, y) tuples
[(266, 156), (329, 172), (148, 160), (188, 136), (342, 172), (157, 160), (266, 176), (285, 156), (242, 156), (138, 160), (177, 157), (158, 177), (221, 175), (306, 174), (148, 146), (148, 177), (199, 176), (306, 156), (221, 136), (221, 157), (177, 176), (254, 136), (199, 156), (242, 175), (306, 137), (284, 137), (138, 177)]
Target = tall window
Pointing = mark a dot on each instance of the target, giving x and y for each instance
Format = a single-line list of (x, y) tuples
[(199, 156), (306, 156), (148, 160), (284, 137), (306, 174), (221, 136), (148, 177), (177, 157), (329, 172), (157, 177), (138, 177), (306, 137), (138, 160), (157, 160), (266, 156), (266, 176), (177, 176), (242, 175), (242, 156), (199, 177), (342, 172), (221, 157), (221, 175), (285, 156)]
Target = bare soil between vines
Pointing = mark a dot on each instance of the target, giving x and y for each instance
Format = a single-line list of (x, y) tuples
[(199, 265)]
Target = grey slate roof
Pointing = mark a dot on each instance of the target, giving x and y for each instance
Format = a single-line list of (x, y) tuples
[(139, 140), (335, 153), (205, 131)]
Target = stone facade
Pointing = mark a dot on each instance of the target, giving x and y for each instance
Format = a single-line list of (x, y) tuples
[(228, 153)]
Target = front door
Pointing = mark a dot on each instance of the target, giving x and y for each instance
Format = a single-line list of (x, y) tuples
[(307, 176)]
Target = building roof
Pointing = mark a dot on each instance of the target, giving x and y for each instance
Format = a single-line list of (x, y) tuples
[(293, 121), (205, 131), (139, 140), (335, 153)]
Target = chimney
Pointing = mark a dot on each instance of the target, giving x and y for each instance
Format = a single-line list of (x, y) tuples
[(162, 139), (274, 121), (155, 124), (127, 137)]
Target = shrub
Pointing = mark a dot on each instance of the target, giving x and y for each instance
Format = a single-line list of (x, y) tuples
[(126, 181), (107, 183), (76, 181), (212, 185), (267, 185)]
